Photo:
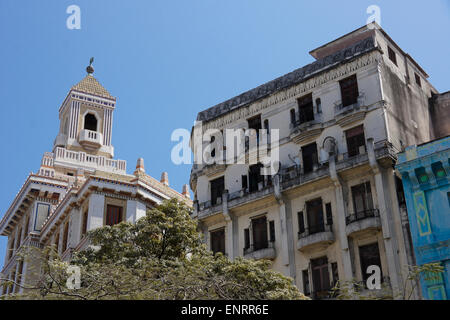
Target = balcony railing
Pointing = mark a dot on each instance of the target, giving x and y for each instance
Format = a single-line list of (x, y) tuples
[(91, 138), (370, 213), (84, 159), (313, 229), (269, 244), (340, 109)]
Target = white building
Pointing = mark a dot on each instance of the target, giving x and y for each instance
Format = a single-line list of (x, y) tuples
[(79, 186), (336, 206)]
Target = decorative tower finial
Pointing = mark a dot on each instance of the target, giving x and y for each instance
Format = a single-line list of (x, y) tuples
[(90, 68)]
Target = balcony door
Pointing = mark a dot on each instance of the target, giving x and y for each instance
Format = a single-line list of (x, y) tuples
[(369, 255), (255, 177), (259, 227), (321, 277), (305, 108), (349, 90), (310, 157), (362, 198), (314, 210), (217, 189), (355, 139)]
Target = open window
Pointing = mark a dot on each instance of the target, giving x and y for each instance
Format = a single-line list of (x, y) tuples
[(255, 177), (349, 90), (310, 157), (218, 241), (305, 108), (362, 198), (259, 227), (369, 255), (314, 211), (355, 140), (90, 122), (321, 277), (217, 189)]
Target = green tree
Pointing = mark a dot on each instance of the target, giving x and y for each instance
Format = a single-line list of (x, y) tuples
[(159, 257)]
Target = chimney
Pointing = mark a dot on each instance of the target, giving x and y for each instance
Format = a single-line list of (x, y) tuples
[(165, 178), (139, 166), (185, 191)]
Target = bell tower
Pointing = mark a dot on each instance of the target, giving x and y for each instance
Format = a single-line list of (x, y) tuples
[(86, 118)]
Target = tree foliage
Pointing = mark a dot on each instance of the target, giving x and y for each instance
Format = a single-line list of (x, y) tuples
[(159, 257)]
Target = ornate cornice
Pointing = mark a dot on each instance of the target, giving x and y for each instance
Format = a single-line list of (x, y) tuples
[(291, 84)]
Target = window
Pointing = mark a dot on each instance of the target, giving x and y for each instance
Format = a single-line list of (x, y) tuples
[(319, 105), (90, 122), (438, 170), (244, 180), (329, 214), (65, 237), (272, 231), (246, 238), (19, 276), (113, 215), (301, 222), (255, 123), (218, 241), (392, 55), (355, 140), (306, 286), (259, 227), (305, 108), (84, 223), (421, 175), (292, 113), (362, 198), (321, 277), (255, 177), (400, 192), (369, 255), (349, 90), (334, 273), (217, 189), (310, 157), (314, 211), (418, 82)]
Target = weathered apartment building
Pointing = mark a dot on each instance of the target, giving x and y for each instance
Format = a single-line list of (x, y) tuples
[(79, 187), (336, 205)]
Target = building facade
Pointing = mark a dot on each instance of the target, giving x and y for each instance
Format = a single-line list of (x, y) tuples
[(79, 186), (335, 206), (425, 171)]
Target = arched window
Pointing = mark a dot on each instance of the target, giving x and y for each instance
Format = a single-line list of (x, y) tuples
[(90, 122)]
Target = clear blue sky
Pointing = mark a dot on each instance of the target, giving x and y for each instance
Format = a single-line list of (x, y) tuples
[(166, 60)]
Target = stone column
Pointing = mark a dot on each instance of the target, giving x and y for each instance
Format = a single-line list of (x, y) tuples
[(229, 244), (135, 210), (341, 214), (96, 211), (387, 222)]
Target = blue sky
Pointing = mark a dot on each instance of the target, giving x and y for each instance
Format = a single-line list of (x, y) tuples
[(166, 60)]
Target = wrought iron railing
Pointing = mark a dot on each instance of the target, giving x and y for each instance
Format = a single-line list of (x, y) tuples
[(262, 246), (370, 213)]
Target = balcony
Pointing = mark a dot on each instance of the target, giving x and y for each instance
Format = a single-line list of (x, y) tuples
[(315, 237), (303, 131), (90, 139), (363, 221), (267, 252), (350, 113)]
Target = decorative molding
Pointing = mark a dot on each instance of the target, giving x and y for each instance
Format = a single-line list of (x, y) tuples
[(290, 85)]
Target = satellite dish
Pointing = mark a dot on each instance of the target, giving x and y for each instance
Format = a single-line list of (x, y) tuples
[(330, 145)]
